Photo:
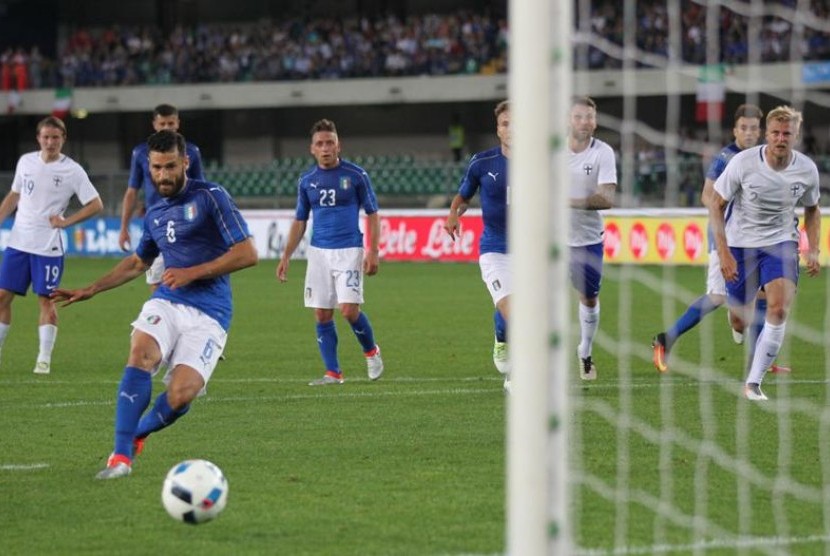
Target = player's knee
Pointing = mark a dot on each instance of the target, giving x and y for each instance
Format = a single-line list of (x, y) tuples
[(350, 311)]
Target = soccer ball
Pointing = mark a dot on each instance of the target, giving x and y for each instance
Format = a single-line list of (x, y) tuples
[(194, 491)]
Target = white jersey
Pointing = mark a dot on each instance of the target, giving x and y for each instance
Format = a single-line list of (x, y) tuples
[(762, 201), (45, 189), (588, 169)]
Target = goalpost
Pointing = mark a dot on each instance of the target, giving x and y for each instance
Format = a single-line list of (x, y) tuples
[(540, 90), (638, 462)]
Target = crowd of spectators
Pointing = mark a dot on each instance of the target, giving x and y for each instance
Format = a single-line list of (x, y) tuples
[(458, 43)]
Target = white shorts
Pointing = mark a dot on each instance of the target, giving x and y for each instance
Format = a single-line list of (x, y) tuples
[(185, 336), (715, 284), (495, 271), (333, 276), (156, 270)]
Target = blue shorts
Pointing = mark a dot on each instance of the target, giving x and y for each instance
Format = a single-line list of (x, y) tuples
[(586, 269), (759, 266), (19, 269)]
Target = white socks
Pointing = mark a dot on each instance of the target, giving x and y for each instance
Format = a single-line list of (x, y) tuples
[(47, 334), (766, 350), (588, 325)]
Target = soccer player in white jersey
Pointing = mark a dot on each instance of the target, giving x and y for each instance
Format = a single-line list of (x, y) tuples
[(487, 174), (747, 132), (165, 116), (44, 183), (752, 214), (334, 190), (184, 324), (593, 172)]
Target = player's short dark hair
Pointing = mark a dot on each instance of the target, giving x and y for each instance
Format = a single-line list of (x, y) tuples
[(51, 121), (502, 107), (166, 141), (583, 100), (748, 111), (323, 125), (165, 111)]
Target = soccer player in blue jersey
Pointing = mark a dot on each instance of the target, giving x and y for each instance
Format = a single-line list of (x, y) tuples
[(333, 191), (593, 183), (758, 240), (184, 324), (165, 116), (747, 132), (487, 175), (44, 183)]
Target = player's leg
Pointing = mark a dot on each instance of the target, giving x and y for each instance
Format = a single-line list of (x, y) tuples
[(46, 276), (586, 277), (320, 295), (15, 278), (759, 316), (348, 284), (153, 335), (715, 297), (496, 275), (197, 350), (778, 272)]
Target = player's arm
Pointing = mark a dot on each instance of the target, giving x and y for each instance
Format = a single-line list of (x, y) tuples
[(708, 191), (127, 210), (717, 207), (601, 200), (295, 234), (240, 255), (812, 227), (9, 204), (89, 210), (370, 259), (457, 208), (128, 268)]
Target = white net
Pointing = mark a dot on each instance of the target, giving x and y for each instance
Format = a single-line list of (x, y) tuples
[(681, 462)]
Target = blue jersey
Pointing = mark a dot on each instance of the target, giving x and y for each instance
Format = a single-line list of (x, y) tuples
[(335, 196), (487, 174), (716, 168), (140, 171), (197, 225)]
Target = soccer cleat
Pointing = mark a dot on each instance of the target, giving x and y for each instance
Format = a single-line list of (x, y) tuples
[(42, 368), (500, 359), (587, 369), (658, 344), (117, 466), (374, 364), (778, 369), (327, 379), (138, 445), (753, 392)]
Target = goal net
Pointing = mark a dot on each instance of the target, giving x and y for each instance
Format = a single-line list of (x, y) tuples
[(640, 462)]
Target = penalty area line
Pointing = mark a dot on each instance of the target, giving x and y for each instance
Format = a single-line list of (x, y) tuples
[(22, 466)]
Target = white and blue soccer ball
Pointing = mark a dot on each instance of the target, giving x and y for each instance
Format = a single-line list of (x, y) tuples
[(194, 491)]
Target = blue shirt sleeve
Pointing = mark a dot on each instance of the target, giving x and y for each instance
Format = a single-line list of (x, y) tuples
[(303, 204), (366, 194), (194, 170), (136, 179)]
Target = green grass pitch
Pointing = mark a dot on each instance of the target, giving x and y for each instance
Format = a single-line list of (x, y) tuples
[(413, 463)]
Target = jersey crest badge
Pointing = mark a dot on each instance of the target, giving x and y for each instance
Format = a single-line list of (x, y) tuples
[(345, 182), (190, 212)]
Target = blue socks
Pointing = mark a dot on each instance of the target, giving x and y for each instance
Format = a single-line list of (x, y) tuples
[(701, 307), (161, 416), (134, 393), (500, 326), (327, 342), (363, 330)]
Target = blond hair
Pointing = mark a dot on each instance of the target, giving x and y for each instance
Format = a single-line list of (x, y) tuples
[(785, 114)]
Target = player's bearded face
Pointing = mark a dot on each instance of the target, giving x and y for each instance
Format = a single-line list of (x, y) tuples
[(168, 172)]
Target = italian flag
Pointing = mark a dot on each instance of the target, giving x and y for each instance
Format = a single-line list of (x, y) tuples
[(62, 103), (711, 93)]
